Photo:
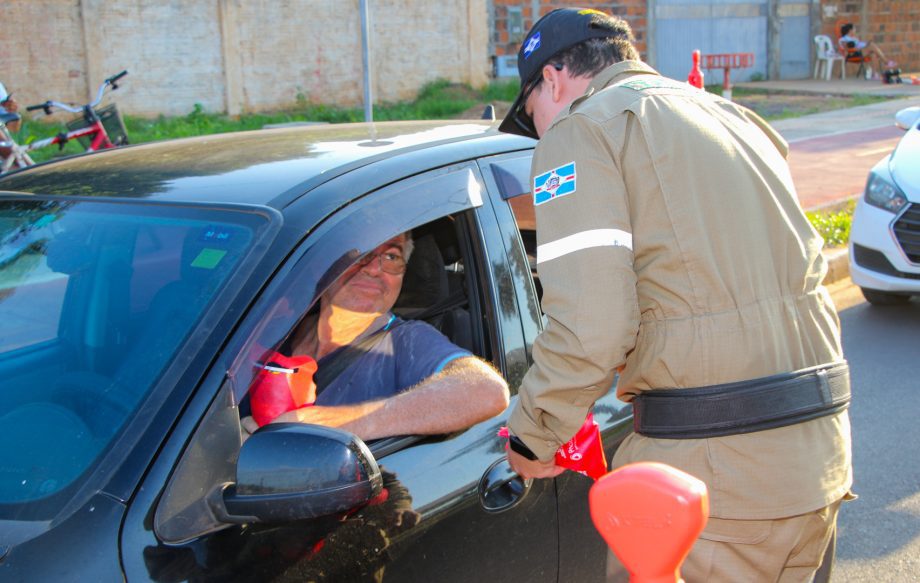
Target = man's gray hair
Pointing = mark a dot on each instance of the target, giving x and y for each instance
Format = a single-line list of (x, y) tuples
[(409, 246)]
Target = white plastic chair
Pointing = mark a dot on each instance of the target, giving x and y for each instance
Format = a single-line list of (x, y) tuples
[(826, 56)]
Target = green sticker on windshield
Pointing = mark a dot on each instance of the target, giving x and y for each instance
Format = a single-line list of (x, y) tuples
[(209, 258)]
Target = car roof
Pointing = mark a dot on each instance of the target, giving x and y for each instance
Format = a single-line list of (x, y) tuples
[(269, 167)]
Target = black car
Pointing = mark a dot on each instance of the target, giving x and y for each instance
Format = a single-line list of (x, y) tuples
[(137, 287)]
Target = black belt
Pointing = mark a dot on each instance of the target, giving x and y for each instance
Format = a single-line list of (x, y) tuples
[(745, 406)]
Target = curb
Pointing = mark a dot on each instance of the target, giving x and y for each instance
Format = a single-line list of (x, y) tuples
[(838, 264)]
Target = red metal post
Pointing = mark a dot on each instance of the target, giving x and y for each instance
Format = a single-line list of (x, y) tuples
[(695, 77)]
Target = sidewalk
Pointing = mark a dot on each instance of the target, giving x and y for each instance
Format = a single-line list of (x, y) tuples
[(831, 153)]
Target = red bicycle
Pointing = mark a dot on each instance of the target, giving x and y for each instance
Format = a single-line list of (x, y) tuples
[(95, 129)]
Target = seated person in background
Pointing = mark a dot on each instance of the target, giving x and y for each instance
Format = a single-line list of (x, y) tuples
[(848, 41), (8, 105), (410, 379)]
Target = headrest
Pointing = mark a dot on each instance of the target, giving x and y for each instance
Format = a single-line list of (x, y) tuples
[(425, 282)]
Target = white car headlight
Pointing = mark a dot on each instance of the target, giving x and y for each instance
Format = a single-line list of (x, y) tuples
[(883, 194)]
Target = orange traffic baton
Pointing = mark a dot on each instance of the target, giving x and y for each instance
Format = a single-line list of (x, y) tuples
[(650, 514)]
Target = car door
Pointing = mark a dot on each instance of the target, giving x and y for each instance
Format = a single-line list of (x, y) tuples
[(581, 549), (452, 506)]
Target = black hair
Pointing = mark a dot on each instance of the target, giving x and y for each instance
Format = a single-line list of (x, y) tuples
[(846, 28), (590, 57)]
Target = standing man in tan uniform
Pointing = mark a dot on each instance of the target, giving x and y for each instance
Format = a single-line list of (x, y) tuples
[(671, 248)]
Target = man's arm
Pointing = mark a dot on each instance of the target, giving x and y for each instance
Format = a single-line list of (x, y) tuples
[(467, 391), (585, 260)]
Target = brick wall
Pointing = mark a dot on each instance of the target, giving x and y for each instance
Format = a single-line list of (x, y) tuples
[(894, 25), (237, 55), (502, 43)]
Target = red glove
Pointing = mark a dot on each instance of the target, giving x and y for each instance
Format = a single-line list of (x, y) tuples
[(283, 384), (584, 453)]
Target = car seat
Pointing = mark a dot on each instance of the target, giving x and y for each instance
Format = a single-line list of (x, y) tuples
[(433, 294)]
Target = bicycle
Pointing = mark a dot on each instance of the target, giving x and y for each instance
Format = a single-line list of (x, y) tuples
[(95, 129)]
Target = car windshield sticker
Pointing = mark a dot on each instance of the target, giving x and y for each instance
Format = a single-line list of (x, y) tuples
[(556, 183), (533, 43), (214, 234), (209, 258)]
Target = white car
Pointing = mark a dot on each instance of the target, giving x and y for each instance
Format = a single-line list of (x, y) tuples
[(885, 234)]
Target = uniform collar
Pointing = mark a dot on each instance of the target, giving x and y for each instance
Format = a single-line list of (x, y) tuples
[(612, 74), (618, 72)]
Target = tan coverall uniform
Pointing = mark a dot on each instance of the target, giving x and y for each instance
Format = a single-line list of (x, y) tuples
[(683, 256)]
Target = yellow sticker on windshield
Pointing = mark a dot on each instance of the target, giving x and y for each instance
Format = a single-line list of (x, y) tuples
[(209, 258)]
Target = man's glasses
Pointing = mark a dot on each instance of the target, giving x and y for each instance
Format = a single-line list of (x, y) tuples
[(391, 263), (520, 117)]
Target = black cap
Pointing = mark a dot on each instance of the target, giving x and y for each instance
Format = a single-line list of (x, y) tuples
[(555, 32)]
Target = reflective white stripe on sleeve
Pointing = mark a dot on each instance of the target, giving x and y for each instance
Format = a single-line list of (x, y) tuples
[(583, 240)]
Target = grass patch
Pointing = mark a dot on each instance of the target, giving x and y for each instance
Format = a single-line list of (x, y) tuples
[(833, 226), (775, 105)]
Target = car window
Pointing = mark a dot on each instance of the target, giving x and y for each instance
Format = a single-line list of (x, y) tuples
[(512, 177), (347, 237), (438, 208), (95, 300)]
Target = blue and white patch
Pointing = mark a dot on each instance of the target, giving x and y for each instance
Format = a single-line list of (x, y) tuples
[(533, 43), (556, 183)]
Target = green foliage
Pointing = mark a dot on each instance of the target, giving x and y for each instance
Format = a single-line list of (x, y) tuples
[(833, 226), (505, 90)]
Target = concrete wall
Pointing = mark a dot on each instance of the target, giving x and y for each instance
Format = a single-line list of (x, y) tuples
[(237, 55)]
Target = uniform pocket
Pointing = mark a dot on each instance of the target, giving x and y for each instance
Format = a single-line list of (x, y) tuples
[(744, 532)]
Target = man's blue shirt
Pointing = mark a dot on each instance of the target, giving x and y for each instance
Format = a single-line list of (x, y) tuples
[(406, 353)]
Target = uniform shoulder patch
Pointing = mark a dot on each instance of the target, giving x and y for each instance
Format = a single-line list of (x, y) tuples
[(556, 183)]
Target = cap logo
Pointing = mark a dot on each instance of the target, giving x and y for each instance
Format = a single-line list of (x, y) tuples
[(590, 11), (533, 43)]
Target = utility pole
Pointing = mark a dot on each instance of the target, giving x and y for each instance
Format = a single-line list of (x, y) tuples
[(774, 30), (366, 61)]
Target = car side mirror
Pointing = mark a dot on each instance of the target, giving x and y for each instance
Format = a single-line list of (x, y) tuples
[(907, 117), (294, 471)]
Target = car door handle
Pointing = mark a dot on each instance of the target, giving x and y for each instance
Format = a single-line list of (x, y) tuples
[(500, 488)]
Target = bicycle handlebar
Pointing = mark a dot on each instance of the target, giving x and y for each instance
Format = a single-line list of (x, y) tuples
[(46, 106)]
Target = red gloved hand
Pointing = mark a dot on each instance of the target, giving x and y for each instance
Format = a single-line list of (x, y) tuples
[(283, 384), (584, 453)]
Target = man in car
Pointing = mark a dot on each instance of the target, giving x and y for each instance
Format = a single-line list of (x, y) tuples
[(671, 247), (9, 105), (407, 378)]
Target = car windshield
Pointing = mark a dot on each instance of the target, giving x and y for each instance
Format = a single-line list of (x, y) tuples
[(96, 298)]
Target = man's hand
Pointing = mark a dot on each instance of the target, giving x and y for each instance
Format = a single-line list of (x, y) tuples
[(343, 417), (532, 468), (339, 416), (10, 105)]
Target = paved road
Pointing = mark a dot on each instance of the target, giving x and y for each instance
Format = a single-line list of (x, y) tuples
[(831, 153), (828, 169), (880, 532)]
